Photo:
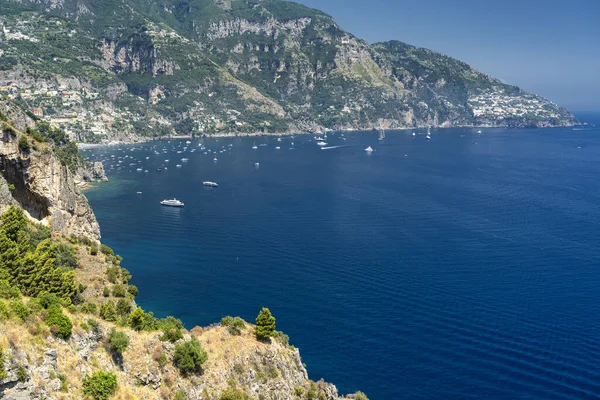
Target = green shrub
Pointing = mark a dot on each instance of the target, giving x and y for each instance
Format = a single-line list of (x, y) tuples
[(2, 360), (72, 308), (65, 257), (11, 187), (93, 325), (125, 276), (123, 307), (234, 394), (60, 325), (4, 314), (100, 385), (88, 308), (48, 299), (282, 337), (19, 309), (360, 396), (9, 292), (108, 312), (265, 324), (133, 290), (171, 328), (94, 250), (137, 319), (180, 395), (189, 357), (233, 325), (117, 342), (106, 250), (106, 291), (21, 374), (119, 291), (24, 145), (112, 273)]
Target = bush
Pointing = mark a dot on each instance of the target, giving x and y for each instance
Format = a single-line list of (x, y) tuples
[(94, 250), (119, 291), (4, 314), (112, 273), (106, 291), (180, 395), (108, 312), (137, 319), (265, 324), (123, 307), (100, 385), (88, 308), (117, 342), (60, 325), (21, 374), (133, 290), (2, 360), (24, 145), (360, 396), (19, 309), (125, 276), (189, 357), (9, 292), (48, 299), (171, 328), (106, 250), (233, 325), (93, 325), (65, 257), (234, 394)]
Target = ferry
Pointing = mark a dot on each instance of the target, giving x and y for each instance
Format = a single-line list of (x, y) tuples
[(172, 203), (211, 184)]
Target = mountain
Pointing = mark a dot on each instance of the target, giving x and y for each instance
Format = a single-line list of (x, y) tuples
[(124, 69)]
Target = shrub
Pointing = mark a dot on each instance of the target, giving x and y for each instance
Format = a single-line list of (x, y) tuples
[(360, 396), (282, 337), (234, 394), (100, 385), (60, 325), (171, 328), (4, 314), (119, 291), (106, 291), (180, 395), (88, 308), (106, 250), (24, 145), (93, 325), (125, 276), (48, 299), (108, 312), (11, 187), (9, 292), (19, 309), (233, 325), (21, 374), (189, 357), (133, 290), (2, 360), (265, 324), (117, 342), (65, 257), (112, 273), (94, 250), (123, 307), (137, 319)]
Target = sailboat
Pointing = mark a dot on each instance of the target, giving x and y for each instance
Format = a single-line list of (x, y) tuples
[(381, 134), (428, 137), (254, 147)]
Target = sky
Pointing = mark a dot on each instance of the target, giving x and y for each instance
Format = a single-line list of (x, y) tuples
[(548, 47)]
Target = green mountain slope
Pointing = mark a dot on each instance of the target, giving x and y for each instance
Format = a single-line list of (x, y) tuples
[(120, 69)]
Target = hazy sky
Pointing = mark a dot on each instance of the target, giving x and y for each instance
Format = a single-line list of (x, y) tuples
[(549, 47)]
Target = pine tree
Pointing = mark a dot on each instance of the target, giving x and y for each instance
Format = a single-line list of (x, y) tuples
[(265, 324)]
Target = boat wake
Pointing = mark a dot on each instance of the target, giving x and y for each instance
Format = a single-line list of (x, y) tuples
[(332, 147)]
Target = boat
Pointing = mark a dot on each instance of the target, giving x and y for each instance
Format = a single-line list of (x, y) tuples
[(428, 137), (215, 159), (321, 143), (369, 149), (257, 164), (414, 134), (254, 146), (187, 142), (277, 148), (139, 192), (172, 203), (185, 160), (159, 170), (211, 184), (381, 135), (178, 165), (479, 132)]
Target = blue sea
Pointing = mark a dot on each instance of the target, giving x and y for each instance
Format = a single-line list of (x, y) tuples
[(467, 266)]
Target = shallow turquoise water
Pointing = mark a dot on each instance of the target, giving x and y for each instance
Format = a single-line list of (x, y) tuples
[(463, 267)]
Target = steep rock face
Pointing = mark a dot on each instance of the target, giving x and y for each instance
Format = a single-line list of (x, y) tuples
[(45, 189)]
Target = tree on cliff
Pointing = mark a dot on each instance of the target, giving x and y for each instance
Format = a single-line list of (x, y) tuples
[(265, 324)]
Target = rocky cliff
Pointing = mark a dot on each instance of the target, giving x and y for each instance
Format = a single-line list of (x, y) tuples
[(38, 182), (152, 68)]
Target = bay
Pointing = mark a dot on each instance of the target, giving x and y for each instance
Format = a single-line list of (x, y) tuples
[(462, 267)]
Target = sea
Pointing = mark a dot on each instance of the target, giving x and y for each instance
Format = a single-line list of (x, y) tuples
[(466, 266)]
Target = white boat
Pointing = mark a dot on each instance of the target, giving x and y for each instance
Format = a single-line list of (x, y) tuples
[(187, 142), (172, 203), (211, 184), (185, 159), (139, 192), (277, 148), (321, 143), (279, 139), (178, 165), (479, 131), (414, 134), (257, 164), (254, 146), (428, 137), (369, 149), (215, 159)]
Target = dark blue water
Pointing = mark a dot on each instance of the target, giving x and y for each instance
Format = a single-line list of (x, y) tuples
[(464, 267)]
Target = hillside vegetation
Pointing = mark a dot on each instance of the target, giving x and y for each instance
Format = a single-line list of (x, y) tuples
[(130, 68)]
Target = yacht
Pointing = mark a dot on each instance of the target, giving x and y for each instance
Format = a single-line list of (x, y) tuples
[(277, 148), (211, 184), (479, 131), (172, 203), (369, 149), (321, 143), (254, 146)]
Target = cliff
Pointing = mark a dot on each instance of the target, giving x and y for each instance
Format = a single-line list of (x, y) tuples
[(38, 182), (155, 68)]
